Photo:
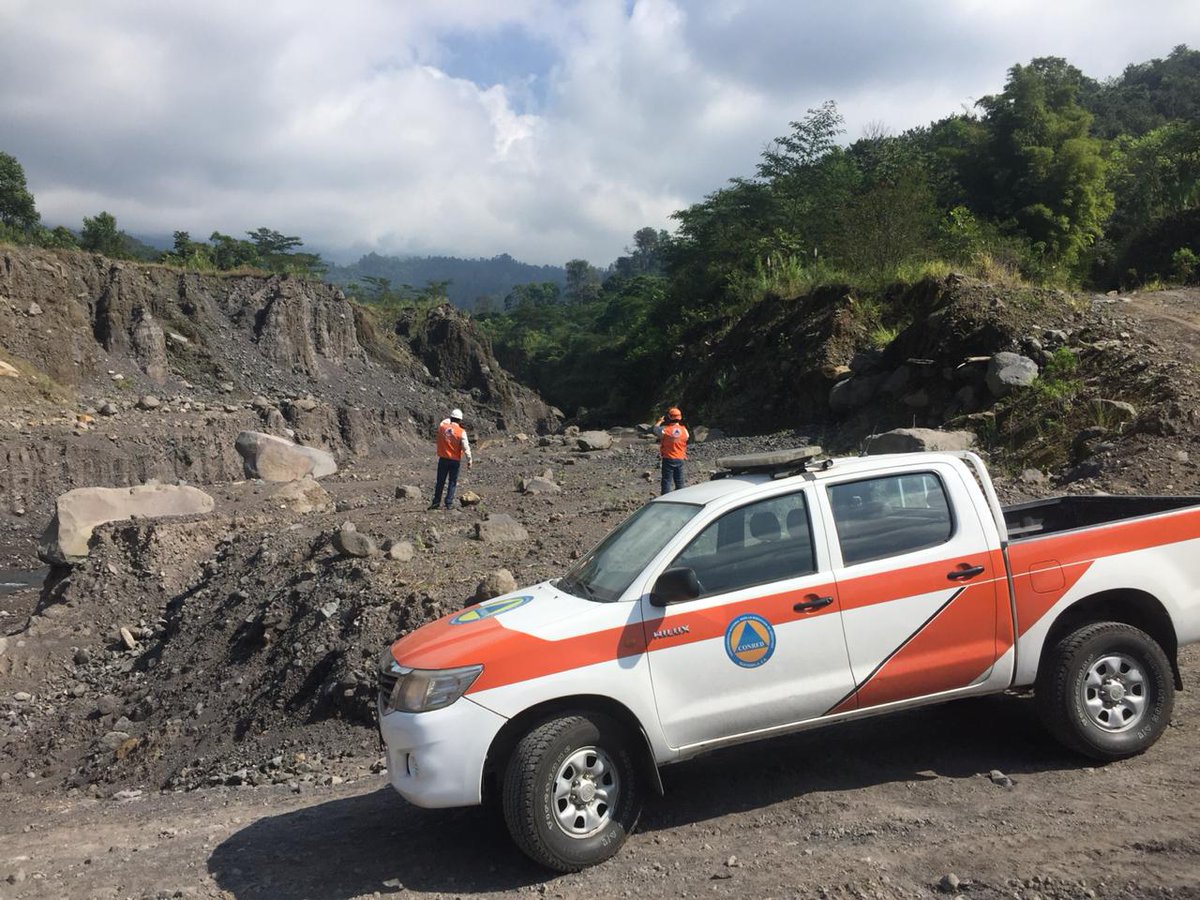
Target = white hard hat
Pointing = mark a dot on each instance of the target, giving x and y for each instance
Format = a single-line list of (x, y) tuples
[(456, 414)]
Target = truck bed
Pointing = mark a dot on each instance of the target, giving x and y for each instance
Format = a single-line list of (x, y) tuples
[(1042, 517)]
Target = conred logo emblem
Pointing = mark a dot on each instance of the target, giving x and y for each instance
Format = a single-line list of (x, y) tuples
[(749, 640), (490, 610)]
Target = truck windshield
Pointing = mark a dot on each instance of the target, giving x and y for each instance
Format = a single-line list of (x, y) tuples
[(608, 569)]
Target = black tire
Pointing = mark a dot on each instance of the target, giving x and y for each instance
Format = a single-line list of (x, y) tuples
[(535, 815), (1106, 690)]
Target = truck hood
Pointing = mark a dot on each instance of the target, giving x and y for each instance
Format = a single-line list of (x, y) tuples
[(524, 634)]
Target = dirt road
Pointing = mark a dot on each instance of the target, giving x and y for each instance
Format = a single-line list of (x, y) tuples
[(875, 809)]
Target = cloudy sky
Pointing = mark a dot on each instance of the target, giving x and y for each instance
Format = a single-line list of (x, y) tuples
[(548, 129)]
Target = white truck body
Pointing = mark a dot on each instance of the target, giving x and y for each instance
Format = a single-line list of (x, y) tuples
[(896, 584)]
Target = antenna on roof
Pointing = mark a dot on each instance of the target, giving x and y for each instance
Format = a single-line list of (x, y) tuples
[(776, 463)]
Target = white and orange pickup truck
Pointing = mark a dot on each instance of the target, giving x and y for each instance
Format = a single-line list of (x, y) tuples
[(786, 593)]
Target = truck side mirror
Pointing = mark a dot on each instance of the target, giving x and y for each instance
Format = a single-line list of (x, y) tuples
[(675, 586)]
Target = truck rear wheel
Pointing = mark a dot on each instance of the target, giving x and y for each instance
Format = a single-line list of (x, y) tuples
[(1106, 691), (572, 794)]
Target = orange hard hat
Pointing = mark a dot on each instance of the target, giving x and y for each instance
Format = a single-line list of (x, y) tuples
[(674, 414)]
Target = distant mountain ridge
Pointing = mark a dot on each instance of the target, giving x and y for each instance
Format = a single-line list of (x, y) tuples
[(469, 279)]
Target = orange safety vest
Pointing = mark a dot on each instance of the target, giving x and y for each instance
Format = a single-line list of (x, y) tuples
[(450, 440), (673, 444)]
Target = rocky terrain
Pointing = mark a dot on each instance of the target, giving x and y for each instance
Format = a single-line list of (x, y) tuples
[(113, 373), (188, 711)]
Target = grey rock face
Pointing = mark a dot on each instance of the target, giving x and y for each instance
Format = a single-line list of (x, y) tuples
[(150, 347), (1008, 371)]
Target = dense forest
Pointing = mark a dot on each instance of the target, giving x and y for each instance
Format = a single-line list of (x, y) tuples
[(1059, 179)]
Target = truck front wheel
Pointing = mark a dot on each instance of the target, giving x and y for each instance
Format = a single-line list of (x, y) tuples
[(571, 792), (1106, 691)]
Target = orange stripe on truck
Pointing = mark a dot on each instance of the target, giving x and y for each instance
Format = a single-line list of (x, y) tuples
[(513, 656)]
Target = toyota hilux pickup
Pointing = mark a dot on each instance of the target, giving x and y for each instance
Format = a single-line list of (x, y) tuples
[(791, 591)]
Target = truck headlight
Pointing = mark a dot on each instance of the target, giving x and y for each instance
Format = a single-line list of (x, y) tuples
[(421, 690)]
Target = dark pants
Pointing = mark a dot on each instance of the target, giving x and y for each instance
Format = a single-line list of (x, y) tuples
[(672, 471), (447, 468)]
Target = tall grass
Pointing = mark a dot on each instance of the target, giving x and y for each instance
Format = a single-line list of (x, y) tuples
[(782, 276)]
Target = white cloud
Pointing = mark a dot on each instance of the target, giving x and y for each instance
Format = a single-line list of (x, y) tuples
[(368, 124)]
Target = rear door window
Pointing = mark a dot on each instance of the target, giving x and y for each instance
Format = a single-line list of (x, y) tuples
[(880, 517)]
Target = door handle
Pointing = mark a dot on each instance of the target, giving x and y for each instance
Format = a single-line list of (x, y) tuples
[(964, 574), (813, 603)]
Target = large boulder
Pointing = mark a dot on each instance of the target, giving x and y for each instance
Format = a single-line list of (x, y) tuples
[(919, 440), (77, 512), (276, 459), (593, 440), (500, 528), (349, 541), (1008, 371), (539, 484), (495, 584), (303, 496)]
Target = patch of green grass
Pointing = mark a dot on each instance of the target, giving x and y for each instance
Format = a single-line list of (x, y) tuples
[(782, 276), (881, 335)]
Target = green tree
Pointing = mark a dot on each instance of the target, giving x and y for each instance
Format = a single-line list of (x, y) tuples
[(534, 296), (380, 287), (100, 235), (887, 224), (1156, 174), (188, 253), (232, 253), (278, 253), (717, 237), (17, 209), (1048, 173), (583, 282), (810, 178), (273, 243), (1146, 96), (60, 237)]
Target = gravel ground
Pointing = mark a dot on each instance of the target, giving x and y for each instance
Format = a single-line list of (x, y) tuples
[(901, 806), (229, 752), (886, 808)]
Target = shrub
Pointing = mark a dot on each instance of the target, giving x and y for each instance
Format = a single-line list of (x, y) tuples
[(1185, 265)]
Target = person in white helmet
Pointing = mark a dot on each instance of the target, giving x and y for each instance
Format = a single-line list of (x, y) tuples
[(452, 445)]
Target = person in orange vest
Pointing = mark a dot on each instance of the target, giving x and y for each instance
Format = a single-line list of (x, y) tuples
[(672, 447), (452, 445)]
